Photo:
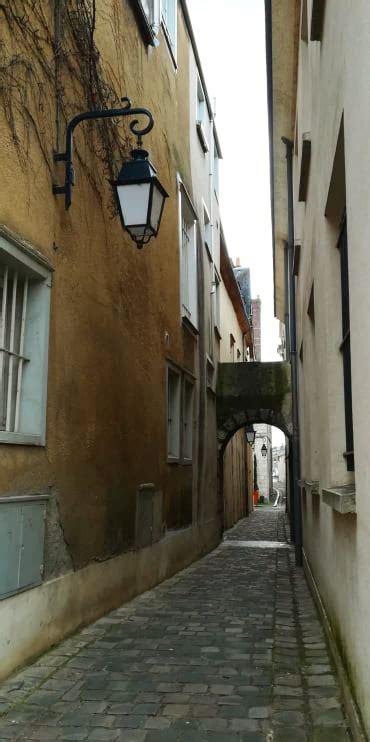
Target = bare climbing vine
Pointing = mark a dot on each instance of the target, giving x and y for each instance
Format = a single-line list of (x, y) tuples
[(51, 69)]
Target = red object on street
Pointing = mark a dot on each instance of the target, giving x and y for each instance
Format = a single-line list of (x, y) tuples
[(256, 497)]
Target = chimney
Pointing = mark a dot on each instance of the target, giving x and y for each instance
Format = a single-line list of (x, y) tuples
[(237, 263)]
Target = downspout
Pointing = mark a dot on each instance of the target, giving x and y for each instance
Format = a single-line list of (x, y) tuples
[(288, 459), (293, 360)]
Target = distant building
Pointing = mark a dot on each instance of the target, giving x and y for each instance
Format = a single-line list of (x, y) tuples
[(243, 277), (256, 324)]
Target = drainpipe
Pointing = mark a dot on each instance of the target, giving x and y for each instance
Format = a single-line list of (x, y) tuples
[(297, 516), (288, 459)]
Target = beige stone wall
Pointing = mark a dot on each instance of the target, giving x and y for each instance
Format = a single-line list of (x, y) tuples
[(285, 19), (333, 83)]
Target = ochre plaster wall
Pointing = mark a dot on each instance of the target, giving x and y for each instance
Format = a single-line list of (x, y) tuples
[(115, 317)]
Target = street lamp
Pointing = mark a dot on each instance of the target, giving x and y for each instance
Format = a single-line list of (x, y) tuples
[(264, 450), (139, 194), (140, 197), (250, 435)]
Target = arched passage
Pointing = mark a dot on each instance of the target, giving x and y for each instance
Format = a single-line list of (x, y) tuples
[(251, 393)]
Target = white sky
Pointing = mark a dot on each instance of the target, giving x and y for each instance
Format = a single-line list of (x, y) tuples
[(230, 36)]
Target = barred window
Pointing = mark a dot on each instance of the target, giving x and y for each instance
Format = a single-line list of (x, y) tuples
[(24, 324)]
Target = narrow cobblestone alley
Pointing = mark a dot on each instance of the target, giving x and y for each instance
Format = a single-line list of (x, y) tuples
[(230, 650)]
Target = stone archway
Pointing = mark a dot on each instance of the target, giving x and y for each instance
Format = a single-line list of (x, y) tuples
[(250, 393)]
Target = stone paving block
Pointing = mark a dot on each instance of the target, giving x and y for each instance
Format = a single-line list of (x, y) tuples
[(330, 717), (230, 650), (177, 710), (290, 734), (157, 722), (213, 725), (330, 734), (293, 718), (244, 725)]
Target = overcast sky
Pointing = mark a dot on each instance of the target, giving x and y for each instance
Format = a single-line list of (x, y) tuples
[(230, 36)]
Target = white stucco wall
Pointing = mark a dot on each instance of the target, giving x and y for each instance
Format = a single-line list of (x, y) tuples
[(334, 79)]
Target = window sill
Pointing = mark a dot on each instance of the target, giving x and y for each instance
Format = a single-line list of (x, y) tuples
[(202, 137), (22, 439), (173, 460), (341, 498), (189, 325), (217, 333), (187, 462), (312, 487)]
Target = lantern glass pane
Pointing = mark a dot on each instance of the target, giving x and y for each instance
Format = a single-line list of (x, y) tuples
[(134, 200), (157, 204)]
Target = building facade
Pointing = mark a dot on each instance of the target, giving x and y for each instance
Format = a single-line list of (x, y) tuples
[(236, 347), (318, 71), (108, 354)]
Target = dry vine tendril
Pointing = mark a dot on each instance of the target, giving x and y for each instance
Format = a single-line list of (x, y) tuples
[(51, 69)]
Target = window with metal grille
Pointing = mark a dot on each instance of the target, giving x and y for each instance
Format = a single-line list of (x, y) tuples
[(345, 346), (169, 20), (24, 326), (189, 272)]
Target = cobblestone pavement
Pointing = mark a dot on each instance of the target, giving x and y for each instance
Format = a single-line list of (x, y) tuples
[(230, 650)]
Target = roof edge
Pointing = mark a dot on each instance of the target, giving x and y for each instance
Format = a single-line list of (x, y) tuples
[(233, 290)]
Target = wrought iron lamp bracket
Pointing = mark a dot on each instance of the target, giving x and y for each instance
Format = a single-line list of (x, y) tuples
[(112, 113)]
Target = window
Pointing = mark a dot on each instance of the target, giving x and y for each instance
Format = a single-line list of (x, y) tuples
[(215, 170), (232, 347), (173, 413), (187, 420), (147, 12), (311, 306), (24, 328), (169, 20), (201, 116), (207, 231), (180, 416), (189, 272), (345, 347), (148, 7), (216, 303)]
